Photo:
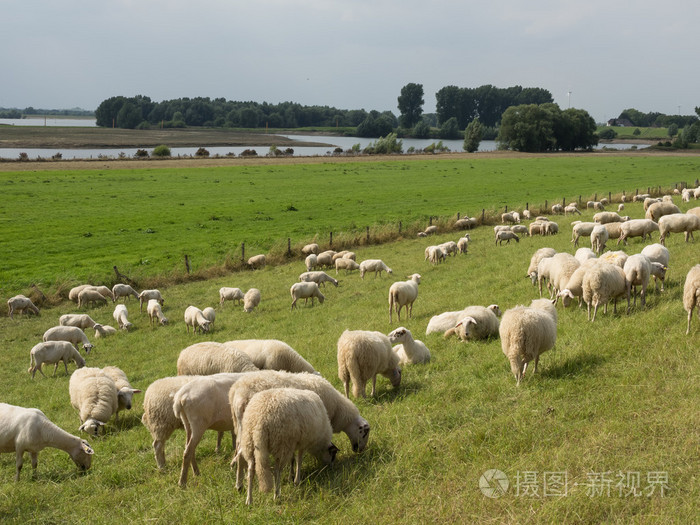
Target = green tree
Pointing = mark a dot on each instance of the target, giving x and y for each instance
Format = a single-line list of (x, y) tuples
[(607, 134), (574, 129), (472, 136), (450, 129), (528, 127), (421, 130), (673, 130), (129, 116), (411, 104)]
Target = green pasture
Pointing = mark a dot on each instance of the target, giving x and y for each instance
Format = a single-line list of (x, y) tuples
[(607, 431), (627, 132)]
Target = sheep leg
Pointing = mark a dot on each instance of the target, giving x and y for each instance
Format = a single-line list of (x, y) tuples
[(159, 449), (298, 459), (537, 360), (251, 475), (35, 460), (347, 386), (374, 384), (277, 475), (65, 365), (690, 316), (240, 465), (19, 461)]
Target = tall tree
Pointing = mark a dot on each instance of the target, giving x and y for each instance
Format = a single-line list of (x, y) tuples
[(472, 136), (411, 104)]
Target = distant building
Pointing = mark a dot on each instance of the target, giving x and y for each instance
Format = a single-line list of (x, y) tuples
[(622, 122)]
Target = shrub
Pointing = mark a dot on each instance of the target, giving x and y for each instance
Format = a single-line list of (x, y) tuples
[(142, 153), (23, 156), (607, 134), (201, 152), (249, 153), (57, 156), (161, 151)]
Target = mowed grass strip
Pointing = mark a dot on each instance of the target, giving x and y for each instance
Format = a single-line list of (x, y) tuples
[(615, 400)]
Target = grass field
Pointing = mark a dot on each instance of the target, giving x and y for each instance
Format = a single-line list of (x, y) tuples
[(611, 412)]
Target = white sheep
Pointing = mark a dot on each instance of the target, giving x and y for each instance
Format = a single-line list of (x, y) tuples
[(526, 332), (345, 264), (20, 304), (230, 294), (125, 393), (94, 395), (637, 228), (409, 350), (450, 248), (605, 217), (550, 228), (617, 258), (305, 290), (583, 254), (640, 197), (105, 292), (123, 290), (659, 209), (659, 254), (620, 207), (581, 229), (637, 272), (51, 352), (210, 315), (319, 277), (121, 316), (310, 262), (563, 266), (208, 358), (463, 243), (361, 356), (519, 229), (257, 262), (403, 293), (649, 201), (691, 293), (508, 217), (540, 254), (527, 215), (571, 208), (310, 249), (90, 296), (506, 236), (676, 223), (694, 211), (251, 299), (557, 209), (374, 265), (599, 236), (29, 430), (72, 334), (284, 423), (430, 230), (195, 318), (75, 291), (686, 193), (601, 284), (466, 223), (435, 254), (272, 354), (104, 330), (446, 321), (82, 321), (155, 312), (147, 295), (543, 274), (536, 228), (574, 287), (341, 254), (325, 259)]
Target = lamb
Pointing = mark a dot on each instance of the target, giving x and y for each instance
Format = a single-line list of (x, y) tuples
[(195, 318), (318, 277), (447, 321), (581, 229), (403, 293), (202, 404), (409, 350), (155, 312), (571, 208), (601, 284), (325, 258), (676, 223), (94, 395), (463, 243), (125, 392), (691, 293), (637, 228), (431, 230), (251, 299), (147, 295), (310, 262), (637, 271), (304, 290), (374, 265), (660, 254), (659, 209), (508, 217), (535, 260), (361, 356), (599, 236), (272, 354), (210, 315), (90, 295), (284, 423), (526, 332), (72, 334), (310, 249), (121, 316), (230, 294), (123, 290), (208, 358), (345, 264), (257, 262), (53, 352), (82, 321), (20, 304), (29, 430), (506, 236), (104, 330), (605, 217), (476, 322)]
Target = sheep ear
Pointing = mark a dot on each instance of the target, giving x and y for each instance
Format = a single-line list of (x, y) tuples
[(86, 447), (135, 391)]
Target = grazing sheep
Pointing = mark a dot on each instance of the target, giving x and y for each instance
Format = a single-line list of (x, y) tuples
[(374, 265), (435, 254), (75, 291), (202, 404), (409, 350), (574, 287), (94, 395), (272, 354), (345, 264), (20, 304), (501, 228), (527, 215), (640, 197), (251, 299), (508, 217), (90, 296), (304, 290), (581, 229), (29, 430), (649, 201), (310, 249), (599, 236), (104, 330), (659, 209), (637, 228), (562, 267), (463, 242), (361, 356), (583, 254), (536, 228), (519, 229), (691, 293), (147, 295), (465, 223), (447, 321), (604, 217), (209, 358), (284, 423), (104, 292), (403, 293), (210, 315), (599, 206), (613, 229), (121, 316), (506, 236), (449, 247), (82, 321), (535, 261), (125, 392), (620, 207), (51, 352), (571, 208), (430, 230), (543, 274), (256, 262), (550, 228), (230, 294), (526, 332), (676, 223), (195, 318), (72, 334), (557, 209), (325, 259), (685, 194), (637, 271), (310, 262), (123, 290), (617, 258), (318, 277), (155, 312), (659, 254), (341, 254), (601, 284)]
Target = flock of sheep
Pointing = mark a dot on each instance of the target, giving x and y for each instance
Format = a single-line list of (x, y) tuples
[(274, 403)]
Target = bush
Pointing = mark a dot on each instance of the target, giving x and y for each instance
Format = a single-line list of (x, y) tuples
[(385, 145), (607, 134), (249, 153), (201, 152), (161, 151), (23, 156)]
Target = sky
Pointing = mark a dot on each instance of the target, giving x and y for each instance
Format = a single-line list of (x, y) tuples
[(601, 56)]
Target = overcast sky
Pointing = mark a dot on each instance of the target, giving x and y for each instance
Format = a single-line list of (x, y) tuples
[(350, 54)]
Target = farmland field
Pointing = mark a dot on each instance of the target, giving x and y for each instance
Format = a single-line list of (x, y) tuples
[(606, 431)]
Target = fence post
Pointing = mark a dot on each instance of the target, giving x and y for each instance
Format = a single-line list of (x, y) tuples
[(330, 242), (289, 246), (609, 196), (242, 252), (527, 205), (367, 234), (579, 200), (563, 201), (457, 215), (483, 215), (595, 197), (187, 264), (546, 206), (399, 227), (506, 210), (430, 220)]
